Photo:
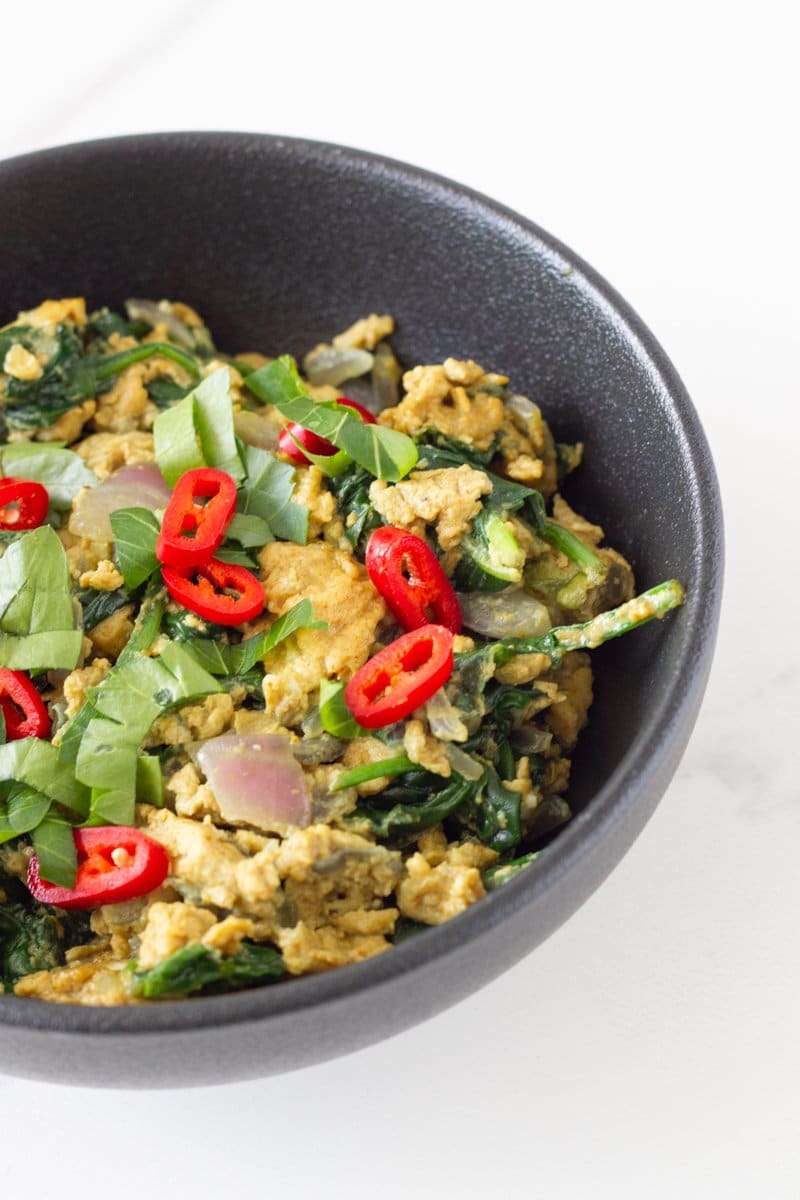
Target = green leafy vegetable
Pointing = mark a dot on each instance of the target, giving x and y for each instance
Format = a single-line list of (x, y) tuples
[(37, 623), (492, 813), (35, 762), (200, 968), (135, 536), (491, 556), (198, 431), (385, 453), (97, 604), (267, 493), (656, 602), (502, 872), (55, 847), (69, 375), (220, 659), (352, 497), (334, 714), (30, 940), (410, 804), (374, 770), (61, 471)]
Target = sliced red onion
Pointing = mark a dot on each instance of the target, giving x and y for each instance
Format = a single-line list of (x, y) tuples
[(255, 779), (326, 364), (139, 486), (512, 613)]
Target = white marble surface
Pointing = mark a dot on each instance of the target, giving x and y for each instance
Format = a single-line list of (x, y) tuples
[(650, 1047)]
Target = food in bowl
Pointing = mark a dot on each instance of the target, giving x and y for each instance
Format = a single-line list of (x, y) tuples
[(286, 675)]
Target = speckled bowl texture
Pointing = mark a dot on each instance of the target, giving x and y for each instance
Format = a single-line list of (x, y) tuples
[(278, 243)]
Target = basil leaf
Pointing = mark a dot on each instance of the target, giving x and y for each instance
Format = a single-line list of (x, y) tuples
[(61, 471), (25, 808), (177, 445), (41, 651), (122, 709), (149, 780), (112, 806), (214, 420), (267, 493), (219, 659), (35, 762), (37, 623), (333, 712), (135, 535), (54, 844), (198, 431), (385, 453), (249, 530)]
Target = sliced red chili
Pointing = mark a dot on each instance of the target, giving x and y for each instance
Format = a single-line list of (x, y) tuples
[(23, 503), (115, 863), (195, 520), (23, 708), (293, 433), (410, 578), (401, 677), (217, 591)]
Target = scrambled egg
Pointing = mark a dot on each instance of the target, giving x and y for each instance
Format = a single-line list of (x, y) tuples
[(331, 892)]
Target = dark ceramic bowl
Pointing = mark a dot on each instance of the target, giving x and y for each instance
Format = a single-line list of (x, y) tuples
[(278, 242)]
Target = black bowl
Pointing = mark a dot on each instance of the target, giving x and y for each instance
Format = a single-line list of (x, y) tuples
[(278, 242)]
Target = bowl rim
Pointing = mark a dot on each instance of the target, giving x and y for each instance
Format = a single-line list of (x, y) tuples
[(638, 768)]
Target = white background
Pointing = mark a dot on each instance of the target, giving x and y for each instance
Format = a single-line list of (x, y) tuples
[(650, 1048)]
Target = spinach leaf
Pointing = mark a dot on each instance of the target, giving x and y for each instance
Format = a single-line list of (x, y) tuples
[(352, 497), (385, 453), (200, 968), (97, 605), (165, 392), (409, 805), (135, 535), (69, 375), (37, 623), (30, 940), (492, 813), (502, 872), (436, 450)]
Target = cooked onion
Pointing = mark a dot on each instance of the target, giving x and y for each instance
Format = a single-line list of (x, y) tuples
[(255, 779), (326, 364), (446, 722), (512, 613), (463, 764), (521, 405), (322, 748), (257, 429), (153, 314), (140, 486)]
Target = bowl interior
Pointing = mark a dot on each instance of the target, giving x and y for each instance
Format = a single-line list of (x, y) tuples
[(279, 243)]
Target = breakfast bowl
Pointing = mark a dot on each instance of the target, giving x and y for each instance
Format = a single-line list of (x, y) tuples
[(279, 243)]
